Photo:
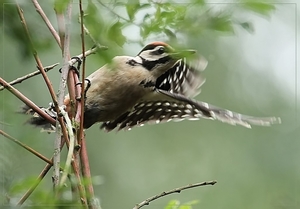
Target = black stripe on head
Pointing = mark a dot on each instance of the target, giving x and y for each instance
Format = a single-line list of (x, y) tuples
[(150, 64), (148, 47), (156, 44)]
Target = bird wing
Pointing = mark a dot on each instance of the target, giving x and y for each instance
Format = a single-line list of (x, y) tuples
[(184, 77), (177, 107)]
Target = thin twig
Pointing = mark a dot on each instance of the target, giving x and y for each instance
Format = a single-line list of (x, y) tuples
[(50, 67), (86, 53), (25, 77), (86, 30), (37, 59), (86, 172), (36, 153), (61, 27), (41, 68), (47, 21), (36, 183), (60, 125), (27, 101), (39, 179), (81, 109), (177, 190)]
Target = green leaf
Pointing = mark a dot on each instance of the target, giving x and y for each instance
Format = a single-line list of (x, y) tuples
[(173, 204), (259, 7), (91, 9), (61, 5), (115, 34), (93, 21), (188, 205), (180, 12), (222, 24), (131, 9)]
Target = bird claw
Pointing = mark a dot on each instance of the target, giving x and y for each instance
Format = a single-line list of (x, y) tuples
[(88, 85), (75, 69)]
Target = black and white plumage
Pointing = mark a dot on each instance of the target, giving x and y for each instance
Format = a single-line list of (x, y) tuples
[(180, 109), (155, 86)]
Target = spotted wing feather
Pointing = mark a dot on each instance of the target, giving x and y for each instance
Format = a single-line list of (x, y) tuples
[(183, 78), (224, 115), (181, 108), (154, 112)]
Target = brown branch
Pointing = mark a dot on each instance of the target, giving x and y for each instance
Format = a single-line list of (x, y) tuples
[(47, 80), (81, 189), (177, 190), (50, 67), (37, 59), (61, 95), (85, 167), (86, 173), (64, 32), (25, 77), (61, 28), (80, 110), (47, 21), (41, 68)]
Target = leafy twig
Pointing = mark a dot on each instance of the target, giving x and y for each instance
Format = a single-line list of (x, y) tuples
[(177, 190), (86, 30)]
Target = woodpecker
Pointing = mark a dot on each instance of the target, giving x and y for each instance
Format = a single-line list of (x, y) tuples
[(157, 85)]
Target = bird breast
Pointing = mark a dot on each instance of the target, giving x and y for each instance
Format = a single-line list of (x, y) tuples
[(115, 88)]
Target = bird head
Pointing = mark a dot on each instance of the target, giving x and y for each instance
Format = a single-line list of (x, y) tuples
[(159, 57)]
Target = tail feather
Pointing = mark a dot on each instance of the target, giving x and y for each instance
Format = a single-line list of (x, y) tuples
[(39, 121)]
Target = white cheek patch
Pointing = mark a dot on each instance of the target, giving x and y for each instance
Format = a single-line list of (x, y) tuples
[(138, 60)]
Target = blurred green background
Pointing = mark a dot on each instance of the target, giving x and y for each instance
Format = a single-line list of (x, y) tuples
[(251, 72)]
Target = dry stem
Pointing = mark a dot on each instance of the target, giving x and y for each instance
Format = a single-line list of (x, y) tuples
[(177, 190)]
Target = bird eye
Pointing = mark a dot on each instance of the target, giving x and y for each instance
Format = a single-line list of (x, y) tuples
[(161, 50)]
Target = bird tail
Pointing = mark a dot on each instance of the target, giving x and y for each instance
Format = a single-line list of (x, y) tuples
[(39, 121)]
